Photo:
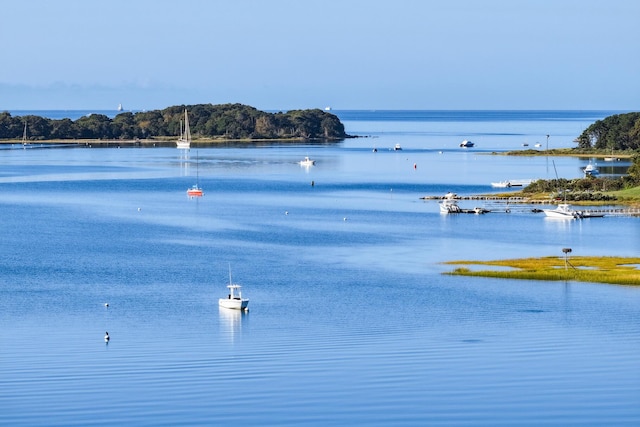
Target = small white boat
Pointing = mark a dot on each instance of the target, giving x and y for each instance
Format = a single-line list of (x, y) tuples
[(184, 142), (119, 107), (591, 170), (234, 299), (562, 211), (449, 204), (501, 184), (538, 145), (307, 162), (397, 147), (466, 144)]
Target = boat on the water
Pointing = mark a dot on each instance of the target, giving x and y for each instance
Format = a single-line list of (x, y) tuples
[(234, 299), (184, 142), (501, 184), (591, 170), (196, 190), (397, 147), (562, 211), (307, 162), (466, 144), (449, 204)]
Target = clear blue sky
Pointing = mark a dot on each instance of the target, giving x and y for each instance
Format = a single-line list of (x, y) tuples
[(348, 54)]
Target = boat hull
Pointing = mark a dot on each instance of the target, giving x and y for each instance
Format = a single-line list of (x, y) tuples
[(563, 211), (233, 303)]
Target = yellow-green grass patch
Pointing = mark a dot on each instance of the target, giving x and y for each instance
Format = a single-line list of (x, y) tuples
[(612, 270)]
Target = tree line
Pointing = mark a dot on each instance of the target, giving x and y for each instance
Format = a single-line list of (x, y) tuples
[(231, 121), (588, 188), (617, 132)]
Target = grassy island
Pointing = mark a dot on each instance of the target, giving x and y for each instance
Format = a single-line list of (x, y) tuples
[(612, 270)]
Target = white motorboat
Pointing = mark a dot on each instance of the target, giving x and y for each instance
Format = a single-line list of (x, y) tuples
[(449, 204), (397, 147), (501, 184), (562, 211), (184, 142), (466, 144), (591, 170), (234, 299), (307, 162)]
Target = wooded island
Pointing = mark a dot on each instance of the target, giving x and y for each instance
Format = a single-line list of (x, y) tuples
[(225, 121)]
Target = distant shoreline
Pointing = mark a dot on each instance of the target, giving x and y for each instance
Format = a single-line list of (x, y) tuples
[(159, 141)]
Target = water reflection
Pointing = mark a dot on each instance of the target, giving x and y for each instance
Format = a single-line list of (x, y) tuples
[(232, 322)]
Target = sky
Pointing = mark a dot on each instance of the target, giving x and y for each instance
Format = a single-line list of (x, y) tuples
[(297, 54)]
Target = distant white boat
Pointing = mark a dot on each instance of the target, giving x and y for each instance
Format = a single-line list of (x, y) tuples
[(449, 204), (119, 107), (562, 211), (466, 144), (234, 300), (538, 145), (327, 108), (397, 147), (184, 142), (307, 162), (512, 183)]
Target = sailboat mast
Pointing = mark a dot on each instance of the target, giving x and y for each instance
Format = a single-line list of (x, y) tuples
[(187, 131)]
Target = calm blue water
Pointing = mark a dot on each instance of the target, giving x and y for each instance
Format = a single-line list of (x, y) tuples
[(351, 320)]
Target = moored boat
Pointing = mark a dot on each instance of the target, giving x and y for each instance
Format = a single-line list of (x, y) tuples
[(562, 211), (307, 162), (196, 190), (591, 170), (184, 142), (449, 204), (234, 299)]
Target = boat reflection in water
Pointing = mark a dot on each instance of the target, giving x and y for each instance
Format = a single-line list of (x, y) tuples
[(232, 322)]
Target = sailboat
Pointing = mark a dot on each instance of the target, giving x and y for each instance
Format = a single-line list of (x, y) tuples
[(195, 191), (233, 300), (184, 142), (24, 135), (563, 210)]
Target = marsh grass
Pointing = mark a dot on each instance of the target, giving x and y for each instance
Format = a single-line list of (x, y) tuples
[(612, 270)]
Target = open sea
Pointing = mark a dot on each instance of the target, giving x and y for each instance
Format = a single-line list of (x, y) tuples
[(351, 319)]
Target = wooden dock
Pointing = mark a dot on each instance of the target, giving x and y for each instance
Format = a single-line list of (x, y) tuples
[(525, 204)]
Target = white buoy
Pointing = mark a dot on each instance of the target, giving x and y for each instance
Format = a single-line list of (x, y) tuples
[(106, 304)]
